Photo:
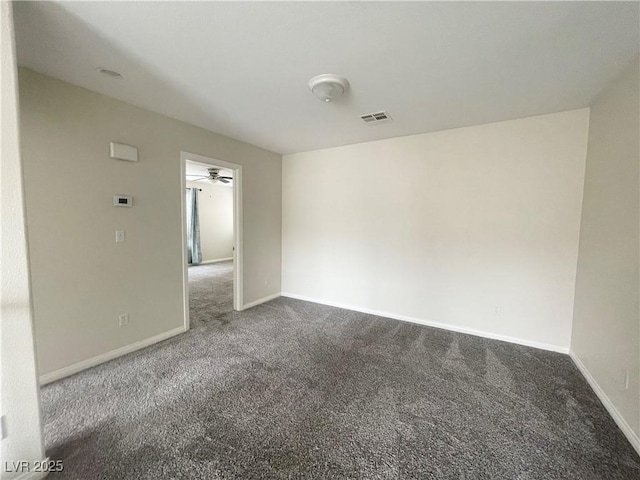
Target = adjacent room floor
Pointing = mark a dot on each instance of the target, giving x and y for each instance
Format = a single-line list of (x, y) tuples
[(210, 292), (291, 389)]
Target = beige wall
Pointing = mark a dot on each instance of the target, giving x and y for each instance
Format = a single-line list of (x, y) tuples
[(82, 279), (216, 220), (606, 325), (444, 227), (20, 405)]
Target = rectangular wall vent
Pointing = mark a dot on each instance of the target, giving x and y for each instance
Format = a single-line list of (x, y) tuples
[(376, 117)]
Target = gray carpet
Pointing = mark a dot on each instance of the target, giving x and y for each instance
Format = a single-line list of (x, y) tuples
[(210, 292), (291, 389)]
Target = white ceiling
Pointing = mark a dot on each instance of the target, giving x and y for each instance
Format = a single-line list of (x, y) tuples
[(241, 68)]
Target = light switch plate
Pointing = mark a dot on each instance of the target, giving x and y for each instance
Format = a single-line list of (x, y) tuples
[(120, 236)]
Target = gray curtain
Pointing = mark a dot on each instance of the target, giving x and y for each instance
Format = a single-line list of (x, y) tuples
[(193, 227)]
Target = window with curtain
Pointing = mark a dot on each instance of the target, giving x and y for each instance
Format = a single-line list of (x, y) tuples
[(194, 255)]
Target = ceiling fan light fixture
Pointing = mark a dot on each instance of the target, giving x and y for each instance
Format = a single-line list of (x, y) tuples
[(213, 176), (328, 87)]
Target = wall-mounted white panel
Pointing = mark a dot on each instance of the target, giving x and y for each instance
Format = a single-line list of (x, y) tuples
[(120, 151)]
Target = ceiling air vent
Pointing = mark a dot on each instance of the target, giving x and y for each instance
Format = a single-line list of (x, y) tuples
[(376, 117)]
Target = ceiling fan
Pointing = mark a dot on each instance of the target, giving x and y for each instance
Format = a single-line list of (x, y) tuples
[(214, 176)]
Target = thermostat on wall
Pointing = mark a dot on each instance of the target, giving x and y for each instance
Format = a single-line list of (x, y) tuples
[(122, 201)]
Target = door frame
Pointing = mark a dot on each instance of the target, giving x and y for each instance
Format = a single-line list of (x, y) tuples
[(237, 227)]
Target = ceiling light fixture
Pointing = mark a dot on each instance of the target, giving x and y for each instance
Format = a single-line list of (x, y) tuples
[(328, 87), (109, 73)]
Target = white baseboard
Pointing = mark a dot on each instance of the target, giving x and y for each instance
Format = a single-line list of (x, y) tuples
[(30, 475), (260, 300), (444, 326), (217, 260), (608, 404), (105, 357)]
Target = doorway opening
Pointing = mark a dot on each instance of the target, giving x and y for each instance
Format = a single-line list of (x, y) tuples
[(212, 238)]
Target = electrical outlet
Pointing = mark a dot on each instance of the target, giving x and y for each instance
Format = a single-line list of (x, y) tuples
[(120, 236), (123, 319), (497, 310)]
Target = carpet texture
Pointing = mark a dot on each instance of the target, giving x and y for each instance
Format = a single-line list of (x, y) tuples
[(210, 292), (291, 389)]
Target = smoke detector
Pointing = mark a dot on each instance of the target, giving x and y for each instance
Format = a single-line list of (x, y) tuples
[(328, 87)]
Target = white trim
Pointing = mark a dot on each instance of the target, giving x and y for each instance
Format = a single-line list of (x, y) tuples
[(608, 404), (31, 475), (185, 254), (261, 300), (238, 249), (443, 326), (105, 357), (217, 260), (237, 228)]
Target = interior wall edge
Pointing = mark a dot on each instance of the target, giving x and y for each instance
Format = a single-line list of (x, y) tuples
[(80, 291), (262, 300), (110, 355), (431, 323), (215, 260), (606, 402)]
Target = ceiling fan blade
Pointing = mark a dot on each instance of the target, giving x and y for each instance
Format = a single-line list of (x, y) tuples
[(224, 179), (198, 177), (228, 178)]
